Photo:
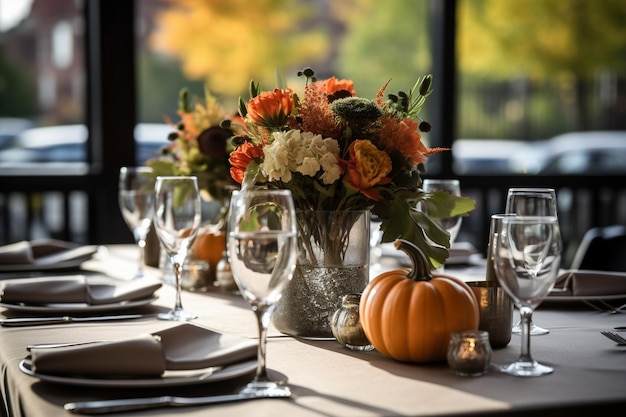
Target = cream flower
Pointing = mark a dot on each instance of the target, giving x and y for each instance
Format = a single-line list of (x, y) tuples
[(302, 152)]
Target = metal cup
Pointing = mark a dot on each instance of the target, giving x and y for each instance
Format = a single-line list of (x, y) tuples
[(496, 311), (496, 220)]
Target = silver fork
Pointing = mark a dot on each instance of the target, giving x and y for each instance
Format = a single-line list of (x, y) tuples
[(615, 337)]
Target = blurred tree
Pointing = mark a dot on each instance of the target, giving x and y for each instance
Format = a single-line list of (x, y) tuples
[(572, 41), (229, 42), (17, 88), (383, 40)]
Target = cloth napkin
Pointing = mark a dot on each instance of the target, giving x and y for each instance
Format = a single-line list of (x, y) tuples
[(43, 252), (182, 347), (92, 290), (140, 356), (590, 283)]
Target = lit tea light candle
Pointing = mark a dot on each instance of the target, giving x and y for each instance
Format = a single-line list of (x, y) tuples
[(469, 352)]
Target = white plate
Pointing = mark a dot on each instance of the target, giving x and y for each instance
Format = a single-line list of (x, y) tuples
[(78, 308), (168, 379)]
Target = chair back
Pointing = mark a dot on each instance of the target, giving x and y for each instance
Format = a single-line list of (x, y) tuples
[(602, 249)]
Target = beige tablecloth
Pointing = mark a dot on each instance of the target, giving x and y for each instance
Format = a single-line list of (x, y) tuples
[(329, 380)]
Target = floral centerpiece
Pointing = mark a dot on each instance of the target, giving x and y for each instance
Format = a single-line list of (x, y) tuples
[(200, 145), (339, 152)]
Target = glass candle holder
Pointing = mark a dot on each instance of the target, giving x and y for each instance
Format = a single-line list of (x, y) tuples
[(469, 352), (346, 327)]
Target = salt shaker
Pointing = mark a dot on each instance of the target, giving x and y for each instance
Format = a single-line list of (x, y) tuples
[(345, 324), (469, 352)]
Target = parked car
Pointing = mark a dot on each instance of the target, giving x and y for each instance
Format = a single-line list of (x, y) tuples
[(68, 144), (574, 153), (10, 128), (484, 156)]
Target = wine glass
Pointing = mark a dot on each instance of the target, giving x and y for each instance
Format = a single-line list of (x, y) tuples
[(262, 252), (451, 224), (136, 200), (176, 222), (531, 202), (526, 260)]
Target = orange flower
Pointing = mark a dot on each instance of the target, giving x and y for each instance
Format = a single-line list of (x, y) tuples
[(271, 108), (241, 157), (333, 85), (367, 167), (404, 137)]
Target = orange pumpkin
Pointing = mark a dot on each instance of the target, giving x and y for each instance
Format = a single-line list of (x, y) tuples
[(408, 314)]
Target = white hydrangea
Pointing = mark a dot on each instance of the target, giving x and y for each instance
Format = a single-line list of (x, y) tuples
[(302, 152)]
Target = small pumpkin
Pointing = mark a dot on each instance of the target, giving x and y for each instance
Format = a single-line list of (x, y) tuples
[(409, 314)]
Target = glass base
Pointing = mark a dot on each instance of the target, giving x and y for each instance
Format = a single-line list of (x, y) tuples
[(177, 315), (266, 389), (534, 330), (526, 369)]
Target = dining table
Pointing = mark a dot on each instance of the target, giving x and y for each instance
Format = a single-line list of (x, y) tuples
[(326, 378)]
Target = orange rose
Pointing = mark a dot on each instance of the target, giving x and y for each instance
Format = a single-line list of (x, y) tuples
[(367, 168), (271, 108), (240, 159)]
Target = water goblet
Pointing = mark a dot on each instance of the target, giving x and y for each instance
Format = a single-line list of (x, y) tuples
[(527, 256), (136, 200), (531, 202), (176, 222), (262, 251)]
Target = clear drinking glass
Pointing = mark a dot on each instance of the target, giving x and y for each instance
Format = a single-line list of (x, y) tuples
[(531, 202), (176, 222), (452, 186), (262, 251), (527, 258), (136, 199), (451, 224)]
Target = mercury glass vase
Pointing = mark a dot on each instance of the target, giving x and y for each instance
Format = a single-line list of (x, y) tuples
[(333, 260)]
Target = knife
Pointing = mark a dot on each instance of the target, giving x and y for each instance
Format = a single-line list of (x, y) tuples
[(39, 321), (112, 406)]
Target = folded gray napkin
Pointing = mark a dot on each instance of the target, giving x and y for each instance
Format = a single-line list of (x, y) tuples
[(183, 347), (141, 356), (582, 283), (92, 290), (43, 252)]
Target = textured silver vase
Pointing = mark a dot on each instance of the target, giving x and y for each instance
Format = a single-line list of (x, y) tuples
[(333, 260)]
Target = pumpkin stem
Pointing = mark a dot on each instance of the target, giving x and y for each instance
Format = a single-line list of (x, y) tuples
[(421, 265)]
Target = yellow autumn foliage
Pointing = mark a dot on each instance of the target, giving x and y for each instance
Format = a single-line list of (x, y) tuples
[(229, 42)]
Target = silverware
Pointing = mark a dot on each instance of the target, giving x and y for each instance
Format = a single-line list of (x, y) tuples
[(59, 345), (112, 406), (39, 321), (615, 337), (619, 328)]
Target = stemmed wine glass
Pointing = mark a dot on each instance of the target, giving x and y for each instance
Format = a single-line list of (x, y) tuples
[(176, 222), (262, 252), (452, 186), (526, 260), (136, 200), (531, 202)]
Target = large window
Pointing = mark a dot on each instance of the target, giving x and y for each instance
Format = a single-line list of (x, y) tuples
[(540, 84)]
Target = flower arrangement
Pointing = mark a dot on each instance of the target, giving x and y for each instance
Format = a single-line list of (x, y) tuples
[(200, 145), (336, 151)]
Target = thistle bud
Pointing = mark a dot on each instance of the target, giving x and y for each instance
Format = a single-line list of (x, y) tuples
[(425, 85)]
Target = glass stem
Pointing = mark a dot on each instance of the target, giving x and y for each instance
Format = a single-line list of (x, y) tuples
[(263, 319), (177, 281), (526, 314), (142, 255)]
